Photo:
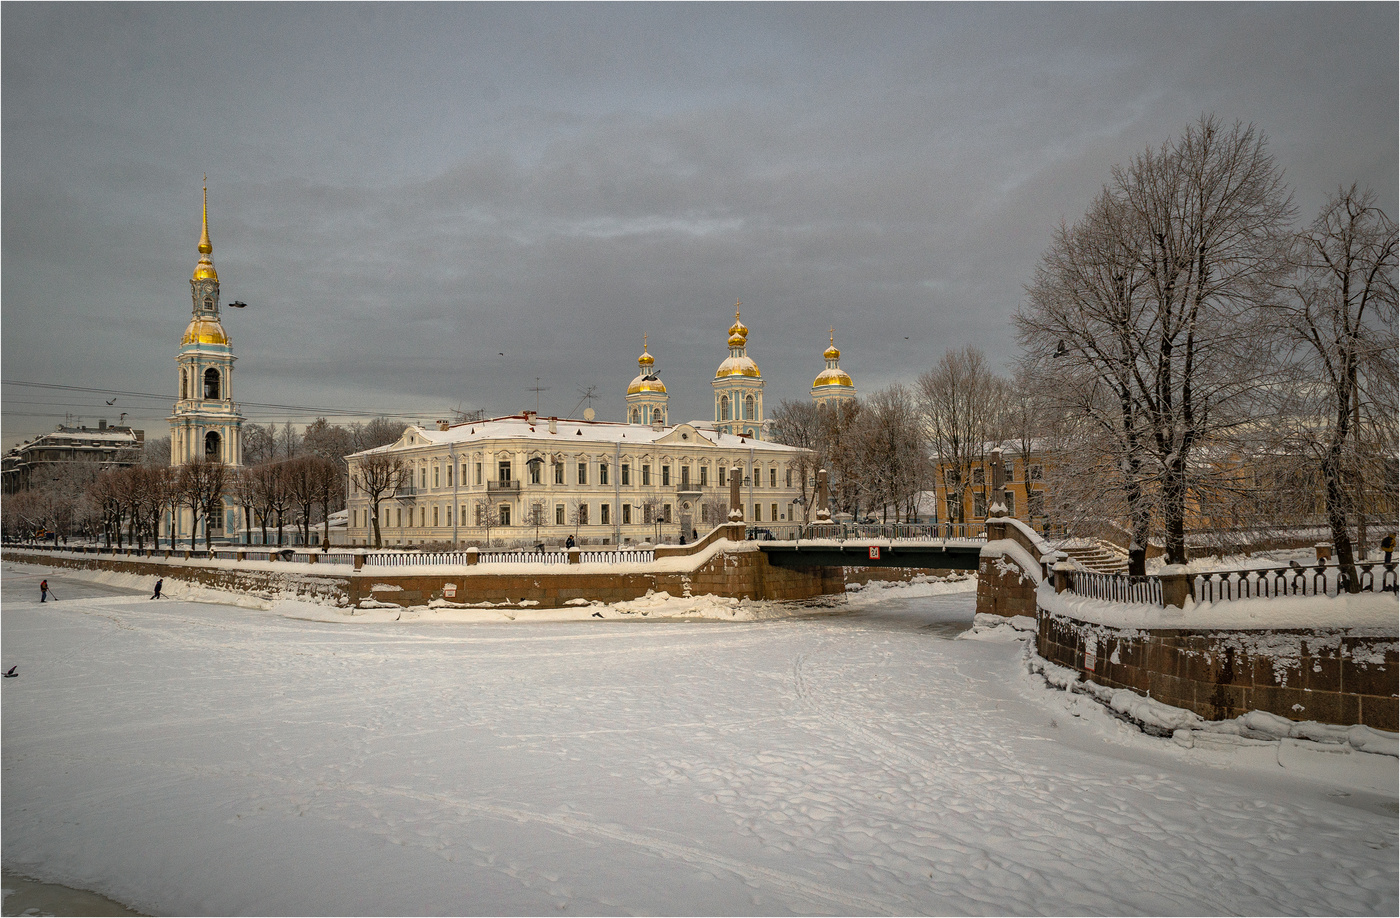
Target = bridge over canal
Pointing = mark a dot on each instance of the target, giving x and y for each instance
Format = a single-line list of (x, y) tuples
[(950, 554)]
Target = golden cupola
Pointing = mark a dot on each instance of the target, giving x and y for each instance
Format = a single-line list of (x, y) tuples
[(832, 383), (738, 363), (205, 327), (647, 380)]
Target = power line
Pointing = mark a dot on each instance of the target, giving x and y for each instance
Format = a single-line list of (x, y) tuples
[(272, 406)]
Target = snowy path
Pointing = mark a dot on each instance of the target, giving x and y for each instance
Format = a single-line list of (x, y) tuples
[(208, 759)]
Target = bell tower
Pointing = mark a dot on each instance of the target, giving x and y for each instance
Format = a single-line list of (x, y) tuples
[(738, 387), (206, 423)]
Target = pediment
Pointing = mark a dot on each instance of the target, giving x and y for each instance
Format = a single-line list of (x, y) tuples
[(685, 435)]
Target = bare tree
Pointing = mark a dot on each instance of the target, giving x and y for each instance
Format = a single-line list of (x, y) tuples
[(895, 465), (299, 475), (1341, 318), (961, 401), (328, 488), (1154, 300), (485, 509), (379, 475), (809, 426), (201, 485)]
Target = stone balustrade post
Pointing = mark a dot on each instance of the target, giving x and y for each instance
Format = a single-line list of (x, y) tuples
[(823, 498), (736, 502), (1062, 572), (574, 554), (242, 555), (471, 555), (1177, 586), (360, 560)]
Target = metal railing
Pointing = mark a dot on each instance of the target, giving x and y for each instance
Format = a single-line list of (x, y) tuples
[(1116, 587), (1324, 579), (888, 532), (513, 485)]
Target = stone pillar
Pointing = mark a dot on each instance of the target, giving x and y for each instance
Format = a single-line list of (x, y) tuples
[(998, 506), (1176, 586), (310, 558), (823, 498), (574, 554), (242, 555), (1062, 572), (736, 501), (471, 555), (1324, 551), (359, 560)]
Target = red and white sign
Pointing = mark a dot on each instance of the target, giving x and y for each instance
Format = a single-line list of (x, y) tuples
[(874, 553), (449, 590)]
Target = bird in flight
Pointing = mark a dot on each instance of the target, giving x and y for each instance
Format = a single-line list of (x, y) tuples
[(111, 401), (12, 674)]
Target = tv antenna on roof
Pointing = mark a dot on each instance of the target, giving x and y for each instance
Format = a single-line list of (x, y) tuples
[(589, 393), (537, 389)]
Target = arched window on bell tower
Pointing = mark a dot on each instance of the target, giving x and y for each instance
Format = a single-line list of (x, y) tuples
[(211, 446), (211, 383), (184, 384)]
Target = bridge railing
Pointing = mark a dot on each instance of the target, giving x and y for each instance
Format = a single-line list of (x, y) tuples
[(885, 532)]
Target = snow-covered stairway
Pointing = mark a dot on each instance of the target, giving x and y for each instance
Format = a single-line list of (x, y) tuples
[(1096, 555)]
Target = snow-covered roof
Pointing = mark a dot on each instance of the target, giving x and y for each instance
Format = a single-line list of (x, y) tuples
[(572, 431)]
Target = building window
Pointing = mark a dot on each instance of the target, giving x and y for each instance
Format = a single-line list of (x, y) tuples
[(604, 514), (665, 513), (211, 383), (704, 513), (789, 478), (665, 476), (583, 473), (1009, 499), (656, 417), (582, 514), (626, 474), (184, 384), (748, 408), (423, 478), (505, 514), (950, 478), (724, 407), (646, 476), (758, 513), (685, 476), (704, 476), (559, 514), (1036, 503), (719, 475), (399, 517), (773, 512), (435, 476), (1037, 471), (480, 514), (953, 507), (979, 506), (503, 471), (773, 478), (603, 475), (636, 416), (558, 473), (435, 516), (534, 467), (626, 514), (979, 475), (449, 476), (648, 513), (478, 480)]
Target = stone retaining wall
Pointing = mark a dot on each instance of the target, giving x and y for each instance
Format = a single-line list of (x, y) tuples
[(742, 574), (1333, 676)]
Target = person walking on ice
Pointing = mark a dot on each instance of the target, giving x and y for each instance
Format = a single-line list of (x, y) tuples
[(156, 594), (43, 591)]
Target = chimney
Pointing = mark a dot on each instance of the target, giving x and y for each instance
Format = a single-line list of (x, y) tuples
[(442, 425), (530, 417), (102, 425), (554, 425)]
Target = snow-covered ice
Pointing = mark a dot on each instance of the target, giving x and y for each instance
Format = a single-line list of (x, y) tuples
[(257, 756)]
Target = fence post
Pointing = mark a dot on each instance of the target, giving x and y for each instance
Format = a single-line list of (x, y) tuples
[(1062, 572), (1176, 586), (471, 555), (360, 560), (574, 554)]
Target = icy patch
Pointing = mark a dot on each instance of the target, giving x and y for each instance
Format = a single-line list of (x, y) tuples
[(999, 628)]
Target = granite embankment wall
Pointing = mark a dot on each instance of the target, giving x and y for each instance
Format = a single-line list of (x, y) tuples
[(1333, 676), (743, 574)]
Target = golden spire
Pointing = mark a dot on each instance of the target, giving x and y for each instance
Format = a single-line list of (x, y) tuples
[(646, 360), (205, 246)]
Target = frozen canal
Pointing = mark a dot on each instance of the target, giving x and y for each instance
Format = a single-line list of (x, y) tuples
[(199, 758)]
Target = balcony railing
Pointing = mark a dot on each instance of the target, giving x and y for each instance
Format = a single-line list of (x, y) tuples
[(503, 486)]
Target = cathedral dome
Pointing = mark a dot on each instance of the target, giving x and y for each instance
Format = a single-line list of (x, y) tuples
[(834, 376), (205, 330), (738, 328), (832, 353), (737, 366), (646, 382)]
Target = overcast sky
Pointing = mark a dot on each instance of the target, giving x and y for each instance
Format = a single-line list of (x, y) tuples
[(428, 207)]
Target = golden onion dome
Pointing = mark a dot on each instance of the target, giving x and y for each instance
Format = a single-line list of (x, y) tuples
[(738, 328), (832, 353), (737, 366), (645, 360), (645, 382), (737, 340), (205, 330), (205, 271), (833, 377)]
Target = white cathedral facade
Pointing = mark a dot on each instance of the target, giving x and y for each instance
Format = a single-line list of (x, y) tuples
[(525, 479)]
